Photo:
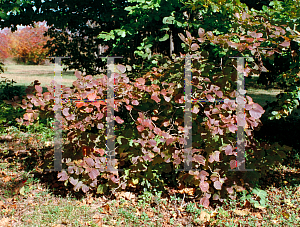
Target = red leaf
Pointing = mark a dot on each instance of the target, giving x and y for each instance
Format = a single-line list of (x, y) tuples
[(38, 88), (155, 97), (233, 164), (204, 186), (167, 98), (119, 120), (203, 174), (66, 111), (140, 128), (85, 188), (195, 47), (70, 117), (157, 131), (121, 68), (216, 156), (78, 186), (141, 81), (285, 44), (230, 190), (99, 151), (195, 109), (204, 202), (200, 159), (166, 123), (94, 173), (79, 104), (89, 161), (99, 116), (201, 32), (114, 179), (228, 150), (219, 94), (63, 176), (73, 181), (210, 98), (156, 149), (170, 140), (257, 111), (135, 102), (218, 185), (89, 110), (188, 34), (152, 143), (128, 107), (78, 74), (91, 96)]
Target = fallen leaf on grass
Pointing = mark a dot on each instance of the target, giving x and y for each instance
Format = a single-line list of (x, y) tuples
[(125, 204), (189, 191), (181, 209), (241, 212), (246, 204), (98, 219), (204, 216), (6, 179), (258, 215), (88, 200), (106, 209), (150, 214), (19, 186), (214, 213), (286, 215), (126, 195)]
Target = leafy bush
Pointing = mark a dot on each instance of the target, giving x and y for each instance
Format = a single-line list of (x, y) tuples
[(8, 114), (150, 129)]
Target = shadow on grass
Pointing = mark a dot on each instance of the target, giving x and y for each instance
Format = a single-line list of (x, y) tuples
[(284, 132)]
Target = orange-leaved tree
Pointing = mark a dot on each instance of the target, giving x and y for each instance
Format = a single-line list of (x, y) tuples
[(27, 44)]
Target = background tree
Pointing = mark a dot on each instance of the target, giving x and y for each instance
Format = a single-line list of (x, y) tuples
[(27, 44)]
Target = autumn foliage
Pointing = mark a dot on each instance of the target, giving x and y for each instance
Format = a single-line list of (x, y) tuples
[(149, 119), (5, 44), (26, 45)]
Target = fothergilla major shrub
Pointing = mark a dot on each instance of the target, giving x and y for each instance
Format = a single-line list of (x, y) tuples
[(149, 130)]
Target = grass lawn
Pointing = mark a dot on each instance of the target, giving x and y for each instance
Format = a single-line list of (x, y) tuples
[(30, 196), (24, 75)]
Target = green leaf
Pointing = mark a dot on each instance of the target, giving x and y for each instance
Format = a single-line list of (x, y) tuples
[(121, 32), (166, 36), (106, 36), (101, 189), (119, 139), (135, 181), (260, 193), (168, 20)]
